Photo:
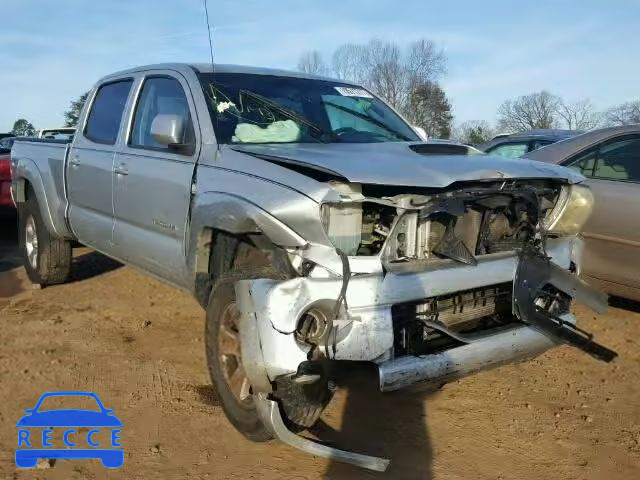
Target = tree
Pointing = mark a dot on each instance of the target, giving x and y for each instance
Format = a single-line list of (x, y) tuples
[(580, 115), (23, 128), (430, 110), (474, 132), (623, 114), (312, 63), (384, 67), (71, 116), (350, 62), (536, 110), (425, 61)]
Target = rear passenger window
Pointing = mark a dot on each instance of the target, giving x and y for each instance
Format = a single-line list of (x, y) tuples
[(162, 96), (106, 112), (619, 161)]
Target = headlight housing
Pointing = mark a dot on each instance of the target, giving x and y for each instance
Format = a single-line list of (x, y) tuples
[(572, 210)]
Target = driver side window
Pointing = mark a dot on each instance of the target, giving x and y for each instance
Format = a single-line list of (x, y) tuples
[(160, 95)]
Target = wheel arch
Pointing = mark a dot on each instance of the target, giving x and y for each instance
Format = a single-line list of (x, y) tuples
[(28, 180)]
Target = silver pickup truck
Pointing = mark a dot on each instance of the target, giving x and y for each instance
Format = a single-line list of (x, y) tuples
[(316, 229)]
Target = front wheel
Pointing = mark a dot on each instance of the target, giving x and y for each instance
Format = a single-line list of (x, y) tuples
[(47, 259), (301, 405), (224, 359)]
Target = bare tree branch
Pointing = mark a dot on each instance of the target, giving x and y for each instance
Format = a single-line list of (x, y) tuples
[(623, 114), (580, 115), (536, 110), (425, 61), (312, 63), (350, 62)]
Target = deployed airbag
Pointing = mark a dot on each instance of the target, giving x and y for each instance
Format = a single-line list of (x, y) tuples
[(278, 132)]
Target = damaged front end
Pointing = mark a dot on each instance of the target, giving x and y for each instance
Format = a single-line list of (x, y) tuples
[(430, 286)]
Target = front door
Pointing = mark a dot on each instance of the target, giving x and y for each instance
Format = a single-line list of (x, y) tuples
[(90, 167), (152, 184)]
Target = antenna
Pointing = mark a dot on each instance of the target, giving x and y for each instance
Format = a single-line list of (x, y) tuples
[(206, 13)]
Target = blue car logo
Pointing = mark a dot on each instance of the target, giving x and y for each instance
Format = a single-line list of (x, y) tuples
[(68, 418)]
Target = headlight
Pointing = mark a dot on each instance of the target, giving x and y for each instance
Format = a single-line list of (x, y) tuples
[(571, 212)]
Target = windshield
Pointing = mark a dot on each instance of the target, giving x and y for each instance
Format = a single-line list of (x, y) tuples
[(248, 108)]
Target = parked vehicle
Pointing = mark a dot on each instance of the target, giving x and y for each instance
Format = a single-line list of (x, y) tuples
[(517, 144), (610, 159), (315, 228), (61, 133), (6, 202), (6, 143)]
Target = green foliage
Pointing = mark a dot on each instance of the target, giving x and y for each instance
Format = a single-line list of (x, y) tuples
[(23, 128), (430, 109), (72, 115)]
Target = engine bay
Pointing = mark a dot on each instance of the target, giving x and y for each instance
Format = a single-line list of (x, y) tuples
[(457, 224)]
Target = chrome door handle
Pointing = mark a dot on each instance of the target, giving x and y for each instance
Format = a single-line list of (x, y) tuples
[(121, 170), (74, 161)]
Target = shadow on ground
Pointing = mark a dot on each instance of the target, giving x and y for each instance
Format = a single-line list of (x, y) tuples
[(9, 254), (86, 264), (390, 425), (91, 264)]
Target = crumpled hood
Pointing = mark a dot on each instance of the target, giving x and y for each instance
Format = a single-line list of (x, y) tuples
[(397, 164)]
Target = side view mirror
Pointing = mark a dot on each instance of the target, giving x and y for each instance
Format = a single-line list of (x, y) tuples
[(167, 129)]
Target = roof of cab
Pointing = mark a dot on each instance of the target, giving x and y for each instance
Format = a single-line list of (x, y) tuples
[(222, 68)]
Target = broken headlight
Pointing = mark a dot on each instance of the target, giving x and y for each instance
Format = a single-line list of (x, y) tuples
[(571, 212)]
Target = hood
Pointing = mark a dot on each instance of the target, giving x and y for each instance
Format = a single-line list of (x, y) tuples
[(398, 164)]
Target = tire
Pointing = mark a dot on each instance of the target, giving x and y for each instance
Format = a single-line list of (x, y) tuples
[(47, 259), (301, 406)]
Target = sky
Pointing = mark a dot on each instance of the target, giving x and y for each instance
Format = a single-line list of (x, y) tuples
[(51, 52)]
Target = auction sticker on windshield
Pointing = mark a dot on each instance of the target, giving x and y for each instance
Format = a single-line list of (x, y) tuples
[(88, 431), (353, 92)]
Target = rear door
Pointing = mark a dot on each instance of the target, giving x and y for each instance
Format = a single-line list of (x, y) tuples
[(90, 166), (613, 232), (152, 185)]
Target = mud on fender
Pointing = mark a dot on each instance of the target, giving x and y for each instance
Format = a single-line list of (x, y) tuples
[(538, 282)]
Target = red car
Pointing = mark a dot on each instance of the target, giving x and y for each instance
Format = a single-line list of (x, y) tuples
[(6, 202)]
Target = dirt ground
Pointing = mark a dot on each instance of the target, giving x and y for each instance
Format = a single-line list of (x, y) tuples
[(138, 344)]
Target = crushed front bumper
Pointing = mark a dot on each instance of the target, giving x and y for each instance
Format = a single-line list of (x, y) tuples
[(271, 309)]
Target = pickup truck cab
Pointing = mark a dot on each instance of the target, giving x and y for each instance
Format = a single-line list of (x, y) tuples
[(316, 229)]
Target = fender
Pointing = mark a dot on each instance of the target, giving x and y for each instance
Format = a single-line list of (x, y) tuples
[(232, 214), (52, 207)]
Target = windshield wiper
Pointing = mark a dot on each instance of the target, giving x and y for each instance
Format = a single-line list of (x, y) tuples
[(293, 115), (370, 120)]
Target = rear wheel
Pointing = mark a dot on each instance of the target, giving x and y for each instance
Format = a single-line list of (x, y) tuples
[(301, 405), (47, 259)]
